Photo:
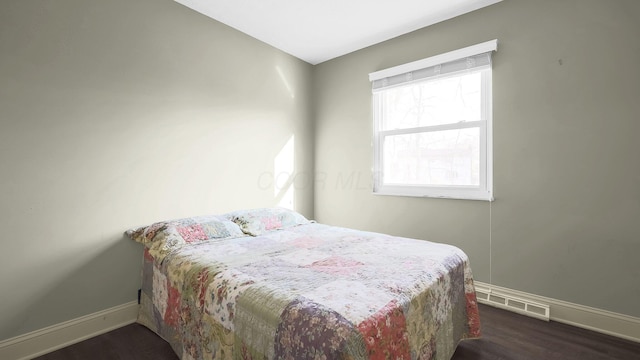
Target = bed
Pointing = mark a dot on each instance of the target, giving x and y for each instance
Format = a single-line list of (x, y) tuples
[(269, 284)]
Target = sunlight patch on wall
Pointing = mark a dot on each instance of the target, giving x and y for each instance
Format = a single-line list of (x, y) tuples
[(283, 175), (285, 82)]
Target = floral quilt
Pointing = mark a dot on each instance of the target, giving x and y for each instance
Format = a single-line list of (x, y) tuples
[(310, 291)]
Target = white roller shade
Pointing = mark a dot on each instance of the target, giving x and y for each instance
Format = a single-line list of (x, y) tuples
[(472, 57)]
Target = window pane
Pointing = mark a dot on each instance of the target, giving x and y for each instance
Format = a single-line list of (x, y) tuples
[(448, 157), (438, 101)]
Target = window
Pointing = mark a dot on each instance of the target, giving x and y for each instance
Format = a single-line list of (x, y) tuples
[(432, 126)]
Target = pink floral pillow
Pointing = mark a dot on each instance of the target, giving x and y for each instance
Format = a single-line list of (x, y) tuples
[(259, 221), (185, 231)]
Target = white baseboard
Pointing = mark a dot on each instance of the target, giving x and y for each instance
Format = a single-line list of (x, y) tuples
[(603, 321), (40, 342)]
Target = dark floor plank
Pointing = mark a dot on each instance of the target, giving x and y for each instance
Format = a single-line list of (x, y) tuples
[(509, 336), (131, 342), (505, 336)]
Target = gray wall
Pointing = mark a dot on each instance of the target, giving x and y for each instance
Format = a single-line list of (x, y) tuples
[(566, 82), (119, 113)]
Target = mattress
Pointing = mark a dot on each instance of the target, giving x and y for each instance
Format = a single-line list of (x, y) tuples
[(310, 291)]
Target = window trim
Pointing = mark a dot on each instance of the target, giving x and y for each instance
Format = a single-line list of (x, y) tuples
[(485, 189)]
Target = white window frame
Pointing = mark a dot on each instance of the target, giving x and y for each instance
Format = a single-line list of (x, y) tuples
[(484, 191)]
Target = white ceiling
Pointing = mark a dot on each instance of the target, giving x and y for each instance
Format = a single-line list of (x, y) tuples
[(317, 31)]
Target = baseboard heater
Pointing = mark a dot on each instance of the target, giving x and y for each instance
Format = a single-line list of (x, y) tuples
[(522, 306)]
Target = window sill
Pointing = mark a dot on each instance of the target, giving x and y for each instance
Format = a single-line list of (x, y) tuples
[(475, 196)]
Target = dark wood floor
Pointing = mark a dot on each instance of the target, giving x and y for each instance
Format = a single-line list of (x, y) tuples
[(505, 336)]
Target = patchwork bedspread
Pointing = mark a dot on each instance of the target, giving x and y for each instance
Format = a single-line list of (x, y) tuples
[(311, 292)]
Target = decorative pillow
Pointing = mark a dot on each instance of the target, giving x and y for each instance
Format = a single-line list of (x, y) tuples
[(185, 231), (258, 221)]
